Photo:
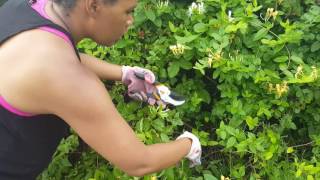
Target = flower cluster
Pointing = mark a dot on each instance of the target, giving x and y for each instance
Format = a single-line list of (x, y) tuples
[(271, 13), (196, 8), (217, 56), (163, 4), (299, 73), (177, 49), (279, 89)]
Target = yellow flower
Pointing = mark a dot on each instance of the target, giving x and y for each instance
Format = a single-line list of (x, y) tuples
[(281, 88), (177, 49), (210, 60), (299, 72), (314, 73), (271, 13), (274, 14), (224, 178), (270, 88), (217, 56)]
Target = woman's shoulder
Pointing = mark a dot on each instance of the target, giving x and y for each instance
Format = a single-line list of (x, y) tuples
[(38, 64)]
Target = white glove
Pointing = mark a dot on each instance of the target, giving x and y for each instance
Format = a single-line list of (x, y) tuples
[(194, 154)]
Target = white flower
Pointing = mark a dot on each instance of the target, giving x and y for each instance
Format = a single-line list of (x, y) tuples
[(230, 18), (196, 8), (162, 4), (299, 72), (314, 73)]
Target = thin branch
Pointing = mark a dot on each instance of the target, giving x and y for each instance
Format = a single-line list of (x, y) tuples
[(274, 34), (289, 54), (302, 145)]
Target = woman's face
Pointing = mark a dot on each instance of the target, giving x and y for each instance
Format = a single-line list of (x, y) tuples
[(112, 21)]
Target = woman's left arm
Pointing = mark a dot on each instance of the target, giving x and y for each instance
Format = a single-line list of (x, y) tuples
[(138, 89), (102, 69)]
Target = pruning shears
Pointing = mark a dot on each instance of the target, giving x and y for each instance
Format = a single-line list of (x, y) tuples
[(163, 93)]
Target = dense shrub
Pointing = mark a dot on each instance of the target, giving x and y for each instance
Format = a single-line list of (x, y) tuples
[(250, 75)]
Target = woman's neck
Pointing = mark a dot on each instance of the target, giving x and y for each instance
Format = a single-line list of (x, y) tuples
[(65, 20)]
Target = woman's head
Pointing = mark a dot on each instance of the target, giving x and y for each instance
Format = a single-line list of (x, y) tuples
[(69, 4), (105, 21)]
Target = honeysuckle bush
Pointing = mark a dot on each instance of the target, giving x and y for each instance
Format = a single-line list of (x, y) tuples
[(249, 72)]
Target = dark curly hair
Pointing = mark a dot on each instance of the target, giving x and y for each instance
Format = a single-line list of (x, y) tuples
[(69, 4)]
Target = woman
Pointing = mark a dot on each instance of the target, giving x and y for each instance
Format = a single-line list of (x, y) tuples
[(46, 86)]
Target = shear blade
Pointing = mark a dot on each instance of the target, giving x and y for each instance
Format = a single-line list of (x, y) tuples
[(172, 101)]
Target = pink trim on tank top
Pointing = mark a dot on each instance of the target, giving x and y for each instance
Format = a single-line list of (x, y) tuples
[(10, 108), (39, 6)]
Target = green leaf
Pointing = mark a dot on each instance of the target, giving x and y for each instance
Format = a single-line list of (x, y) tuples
[(315, 46), (251, 122), (223, 134), (268, 155), (209, 177), (281, 59), (310, 177), (290, 150), (164, 137), (231, 142), (172, 27), (185, 65), (186, 39), (173, 69), (151, 15), (158, 22), (200, 28), (260, 34), (212, 143), (297, 59), (169, 174)]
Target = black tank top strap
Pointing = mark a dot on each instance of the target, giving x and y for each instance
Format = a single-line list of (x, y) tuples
[(25, 18)]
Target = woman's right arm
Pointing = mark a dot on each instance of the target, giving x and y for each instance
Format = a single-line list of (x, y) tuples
[(80, 98)]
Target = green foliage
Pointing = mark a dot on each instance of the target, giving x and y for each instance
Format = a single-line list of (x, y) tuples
[(252, 85)]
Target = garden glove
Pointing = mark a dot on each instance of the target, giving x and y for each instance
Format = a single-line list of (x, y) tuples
[(139, 89), (194, 154)]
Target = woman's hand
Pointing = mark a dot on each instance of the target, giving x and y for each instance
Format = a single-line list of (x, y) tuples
[(138, 88), (195, 152)]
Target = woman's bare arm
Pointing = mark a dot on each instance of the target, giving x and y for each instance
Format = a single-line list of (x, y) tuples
[(66, 88), (102, 69)]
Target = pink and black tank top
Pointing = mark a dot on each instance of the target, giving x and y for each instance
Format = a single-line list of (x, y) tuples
[(27, 141)]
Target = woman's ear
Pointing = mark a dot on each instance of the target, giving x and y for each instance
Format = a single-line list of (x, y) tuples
[(93, 7)]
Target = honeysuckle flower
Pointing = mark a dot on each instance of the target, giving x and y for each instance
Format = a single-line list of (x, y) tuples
[(299, 72), (270, 88), (224, 178), (271, 13), (217, 56), (280, 1), (177, 49), (281, 88), (275, 14), (196, 8), (230, 18), (162, 4), (210, 59), (314, 73)]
